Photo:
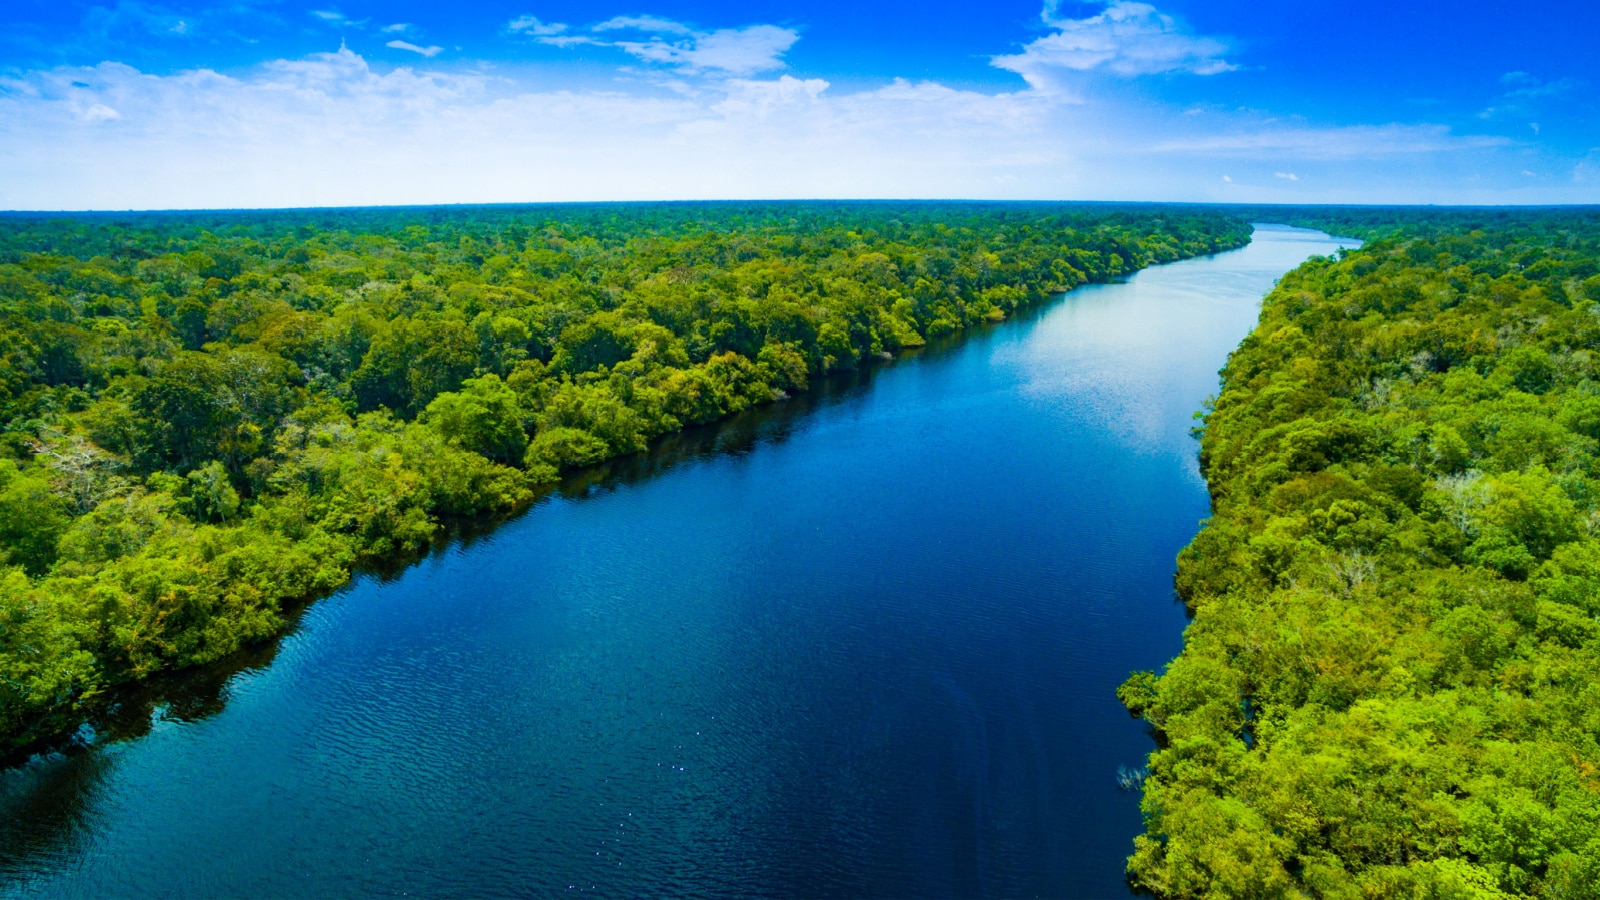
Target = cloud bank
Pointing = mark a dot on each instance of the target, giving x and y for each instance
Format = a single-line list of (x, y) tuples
[(723, 121), (330, 129)]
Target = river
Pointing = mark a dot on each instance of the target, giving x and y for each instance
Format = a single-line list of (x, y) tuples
[(861, 643)]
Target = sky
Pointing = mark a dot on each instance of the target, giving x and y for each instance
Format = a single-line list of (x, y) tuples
[(130, 104)]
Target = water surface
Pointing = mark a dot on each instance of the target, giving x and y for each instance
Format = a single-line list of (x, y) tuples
[(864, 643)]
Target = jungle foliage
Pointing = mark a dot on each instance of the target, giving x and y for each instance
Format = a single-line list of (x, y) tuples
[(1391, 685), (207, 417)]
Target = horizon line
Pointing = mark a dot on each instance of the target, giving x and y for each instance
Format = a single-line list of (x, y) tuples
[(21, 213)]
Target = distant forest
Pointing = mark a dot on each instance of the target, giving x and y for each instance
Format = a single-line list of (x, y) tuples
[(1391, 685), (209, 417)]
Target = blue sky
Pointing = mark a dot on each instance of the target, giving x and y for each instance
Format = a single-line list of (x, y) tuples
[(129, 104)]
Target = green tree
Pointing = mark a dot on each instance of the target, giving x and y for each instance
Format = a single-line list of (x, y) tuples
[(484, 417)]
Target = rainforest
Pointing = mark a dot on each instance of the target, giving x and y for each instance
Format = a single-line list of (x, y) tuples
[(1391, 684), (209, 417)]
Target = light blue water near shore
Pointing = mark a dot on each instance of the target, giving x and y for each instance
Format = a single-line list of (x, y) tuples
[(863, 643)]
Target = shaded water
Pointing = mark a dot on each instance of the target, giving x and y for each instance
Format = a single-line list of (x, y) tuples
[(864, 643)]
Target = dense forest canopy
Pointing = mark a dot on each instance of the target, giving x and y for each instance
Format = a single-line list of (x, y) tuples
[(205, 417), (1391, 686)]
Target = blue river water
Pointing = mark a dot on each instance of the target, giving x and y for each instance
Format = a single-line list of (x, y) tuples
[(861, 643)]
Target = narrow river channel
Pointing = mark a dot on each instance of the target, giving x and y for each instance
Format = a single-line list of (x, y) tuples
[(862, 643)]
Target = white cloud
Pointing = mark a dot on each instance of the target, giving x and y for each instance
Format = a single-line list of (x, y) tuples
[(570, 40), (653, 24), (736, 51), (397, 28), (334, 17), (1286, 176), (762, 97), (725, 51), (532, 26), (1126, 39), (99, 112), (429, 52)]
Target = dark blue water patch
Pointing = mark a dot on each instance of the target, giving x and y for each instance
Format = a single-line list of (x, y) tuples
[(868, 648)]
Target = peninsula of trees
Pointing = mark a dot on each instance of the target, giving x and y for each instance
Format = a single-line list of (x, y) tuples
[(1391, 685), (205, 418)]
